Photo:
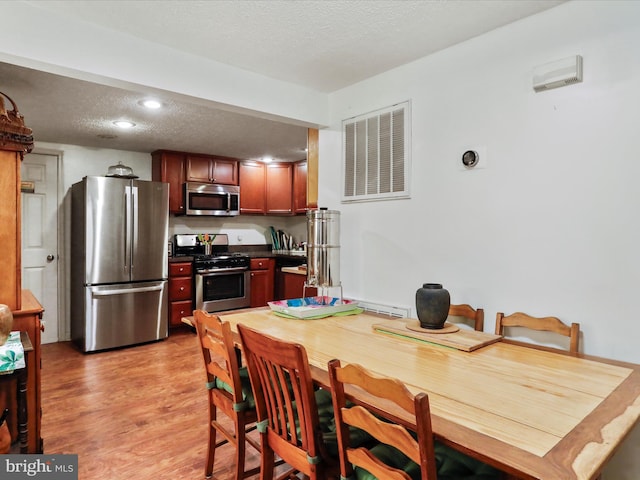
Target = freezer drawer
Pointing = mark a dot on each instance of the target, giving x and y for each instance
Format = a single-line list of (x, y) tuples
[(124, 314)]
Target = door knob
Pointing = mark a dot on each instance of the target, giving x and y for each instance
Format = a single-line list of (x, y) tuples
[(50, 258)]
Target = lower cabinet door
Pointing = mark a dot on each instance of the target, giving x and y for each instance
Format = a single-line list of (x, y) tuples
[(179, 310)]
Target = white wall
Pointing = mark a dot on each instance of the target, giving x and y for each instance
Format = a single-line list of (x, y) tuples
[(550, 227)]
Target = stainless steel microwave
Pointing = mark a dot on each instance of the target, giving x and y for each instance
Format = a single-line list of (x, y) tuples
[(209, 199)]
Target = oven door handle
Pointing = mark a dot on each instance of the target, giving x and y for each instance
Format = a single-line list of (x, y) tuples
[(222, 271)]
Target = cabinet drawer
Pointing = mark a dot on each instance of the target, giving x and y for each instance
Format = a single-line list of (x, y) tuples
[(182, 269), (260, 264), (179, 310), (180, 288)]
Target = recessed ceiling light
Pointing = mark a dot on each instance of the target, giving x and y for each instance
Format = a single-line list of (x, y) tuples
[(124, 124), (151, 104), (267, 159)]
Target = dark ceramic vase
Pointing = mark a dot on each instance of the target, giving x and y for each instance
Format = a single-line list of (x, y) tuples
[(432, 305)]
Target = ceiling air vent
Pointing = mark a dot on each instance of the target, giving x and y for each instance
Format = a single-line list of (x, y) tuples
[(558, 74), (376, 154)]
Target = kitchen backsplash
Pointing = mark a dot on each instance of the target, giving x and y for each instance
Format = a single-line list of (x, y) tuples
[(244, 229)]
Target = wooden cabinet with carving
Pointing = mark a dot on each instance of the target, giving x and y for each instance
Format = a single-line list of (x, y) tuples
[(180, 292), (262, 281), (212, 169), (170, 167)]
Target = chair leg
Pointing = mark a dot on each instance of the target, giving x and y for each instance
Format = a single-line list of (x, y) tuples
[(211, 450), (267, 460), (241, 445)]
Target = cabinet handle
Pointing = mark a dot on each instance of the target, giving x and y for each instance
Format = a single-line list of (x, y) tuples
[(181, 269), (182, 289)]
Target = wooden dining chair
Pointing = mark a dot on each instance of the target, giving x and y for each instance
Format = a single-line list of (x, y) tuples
[(287, 406), (545, 324), (381, 461), (229, 391), (474, 316), (397, 454)]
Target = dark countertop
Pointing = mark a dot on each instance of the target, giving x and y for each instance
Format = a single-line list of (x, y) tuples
[(251, 254)]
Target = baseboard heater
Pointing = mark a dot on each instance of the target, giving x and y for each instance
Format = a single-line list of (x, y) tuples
[(399, 312)]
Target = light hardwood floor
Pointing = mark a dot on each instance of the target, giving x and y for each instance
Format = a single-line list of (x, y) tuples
[(132, 413)]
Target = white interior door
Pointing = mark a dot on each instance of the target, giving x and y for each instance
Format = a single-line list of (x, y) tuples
[(40, 236)]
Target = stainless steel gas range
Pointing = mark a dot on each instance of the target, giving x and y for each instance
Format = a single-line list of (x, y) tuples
[(221, 279)]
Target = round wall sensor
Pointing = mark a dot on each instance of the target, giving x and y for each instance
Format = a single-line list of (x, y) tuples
[(470, 158)]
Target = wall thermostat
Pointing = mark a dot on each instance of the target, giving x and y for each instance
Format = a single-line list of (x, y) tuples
[(470, 158)]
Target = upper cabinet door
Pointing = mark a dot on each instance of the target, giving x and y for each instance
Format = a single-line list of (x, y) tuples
[(211, 169), (199, 169), (169, 167), (279, 188), (224, 171), (252, 188), (300, 187)]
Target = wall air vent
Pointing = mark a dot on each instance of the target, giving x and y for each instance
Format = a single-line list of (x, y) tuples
[(376, 154), (558, 74)]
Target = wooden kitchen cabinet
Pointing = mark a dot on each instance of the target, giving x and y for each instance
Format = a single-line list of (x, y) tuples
[(212, 169), (293, 285), (279, 187), (262, 281), (252, 188), (266, 189), (300, 187), (180, 292), (170, 167)]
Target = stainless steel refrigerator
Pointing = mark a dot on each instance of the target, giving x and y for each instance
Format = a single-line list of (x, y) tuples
[(119, 262)]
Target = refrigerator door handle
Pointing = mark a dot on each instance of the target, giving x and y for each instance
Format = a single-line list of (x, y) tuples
[(99, 292), (134, 210), (127, 227)]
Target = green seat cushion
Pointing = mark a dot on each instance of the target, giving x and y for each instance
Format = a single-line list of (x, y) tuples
[(247, 392), (450, 464), (357, 437), (453, 464)]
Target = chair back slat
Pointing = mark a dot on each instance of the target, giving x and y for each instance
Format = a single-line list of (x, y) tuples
[(470, 314), (384, 432), (544, 324), (363, 458), (381, 387)]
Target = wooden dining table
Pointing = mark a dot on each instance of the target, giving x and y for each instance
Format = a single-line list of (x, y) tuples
[(534, 414)]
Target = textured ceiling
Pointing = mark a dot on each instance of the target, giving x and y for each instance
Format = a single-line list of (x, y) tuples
[(323, 45)]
